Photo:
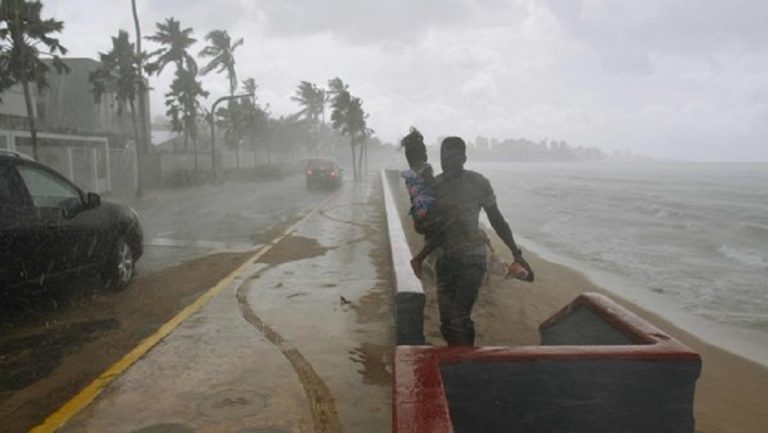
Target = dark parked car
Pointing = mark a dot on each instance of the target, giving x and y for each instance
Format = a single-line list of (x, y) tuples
[(50, 230), (323, 172)]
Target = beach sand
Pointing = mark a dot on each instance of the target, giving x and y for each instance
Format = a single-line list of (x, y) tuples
[(731, 393)]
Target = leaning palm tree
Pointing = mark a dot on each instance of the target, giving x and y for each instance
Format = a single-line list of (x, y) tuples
[(249, 87), (312, 100), (357, 128), (221, 50), (349, 119), (222, 53), (119, 74), (175, 43), (183, 102), (22, 32)]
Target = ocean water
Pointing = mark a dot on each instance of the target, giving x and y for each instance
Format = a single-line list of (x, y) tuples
[(692, 234)]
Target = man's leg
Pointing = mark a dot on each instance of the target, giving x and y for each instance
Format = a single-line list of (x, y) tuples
[(470, 278), (447, 277)]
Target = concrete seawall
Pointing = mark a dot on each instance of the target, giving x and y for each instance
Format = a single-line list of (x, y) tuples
[(407, 290)]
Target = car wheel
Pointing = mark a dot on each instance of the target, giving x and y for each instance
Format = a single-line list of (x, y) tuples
[(120, 267)]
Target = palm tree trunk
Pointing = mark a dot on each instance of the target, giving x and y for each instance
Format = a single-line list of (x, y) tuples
[(194, 149), (237, 156), (354, 160), (143, 142), (30, 118), (360, 158), (139, 153)]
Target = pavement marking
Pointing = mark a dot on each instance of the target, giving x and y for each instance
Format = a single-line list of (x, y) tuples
[(192, 243), (77, 403)]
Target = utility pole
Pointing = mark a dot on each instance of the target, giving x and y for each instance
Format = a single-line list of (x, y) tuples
[(213, 128)]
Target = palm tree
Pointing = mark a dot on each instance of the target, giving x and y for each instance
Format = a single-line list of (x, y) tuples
[(222, 53), (184, 106), (348, 117), (253, 117), (175, 43), (119, 73), (312, 99), (357, 129), (249, 87), (22, 35)]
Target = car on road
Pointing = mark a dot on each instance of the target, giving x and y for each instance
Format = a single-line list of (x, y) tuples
[(50, 230), (323, 172)]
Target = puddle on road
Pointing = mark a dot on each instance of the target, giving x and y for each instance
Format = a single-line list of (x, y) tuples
[(375, 361), (293, 248)]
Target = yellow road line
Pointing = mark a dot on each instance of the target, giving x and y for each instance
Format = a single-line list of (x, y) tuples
[(89, 393)]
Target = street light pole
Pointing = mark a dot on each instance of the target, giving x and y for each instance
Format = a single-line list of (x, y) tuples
[(213, 128)]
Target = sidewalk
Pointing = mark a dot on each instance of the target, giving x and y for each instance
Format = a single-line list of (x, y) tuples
[(299, 342)]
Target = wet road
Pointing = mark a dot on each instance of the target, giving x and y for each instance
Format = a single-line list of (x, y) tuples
[(300, 341), (234, 217), (53, 343)]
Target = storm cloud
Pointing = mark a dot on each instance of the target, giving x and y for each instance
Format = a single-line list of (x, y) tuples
[(672, 79)]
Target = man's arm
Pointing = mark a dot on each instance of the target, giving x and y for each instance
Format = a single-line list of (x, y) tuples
[(502, 229)]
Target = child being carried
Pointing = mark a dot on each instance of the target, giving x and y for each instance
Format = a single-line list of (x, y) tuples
[(419, 179)]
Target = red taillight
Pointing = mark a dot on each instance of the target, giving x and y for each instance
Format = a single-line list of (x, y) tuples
[(333, 173), (309, 172)]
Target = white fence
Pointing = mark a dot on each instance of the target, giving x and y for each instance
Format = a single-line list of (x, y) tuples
[(82, 159), (228, 160), (87, 161)]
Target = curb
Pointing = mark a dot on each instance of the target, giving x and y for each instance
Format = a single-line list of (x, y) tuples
[(408, 291)]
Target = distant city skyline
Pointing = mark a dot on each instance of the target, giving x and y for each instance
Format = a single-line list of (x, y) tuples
[(669, 79)]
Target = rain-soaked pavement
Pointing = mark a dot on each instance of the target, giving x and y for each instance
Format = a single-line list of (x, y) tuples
[(298, 342), (234, 217)]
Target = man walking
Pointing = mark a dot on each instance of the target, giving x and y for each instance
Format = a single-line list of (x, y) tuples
[(460, 194)]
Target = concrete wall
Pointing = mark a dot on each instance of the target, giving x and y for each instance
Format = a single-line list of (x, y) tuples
[(407, 291), (583, 326)]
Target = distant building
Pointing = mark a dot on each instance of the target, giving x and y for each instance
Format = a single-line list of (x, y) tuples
[(69, 105), (76, 133), (13, 109)]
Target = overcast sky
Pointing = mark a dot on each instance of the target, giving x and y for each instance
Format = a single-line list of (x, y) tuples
[(683, 79)]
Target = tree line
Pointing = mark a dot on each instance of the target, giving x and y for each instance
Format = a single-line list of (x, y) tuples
[(26, 39)]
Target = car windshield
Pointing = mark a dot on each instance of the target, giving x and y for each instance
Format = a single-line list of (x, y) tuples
[(467, 216)]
